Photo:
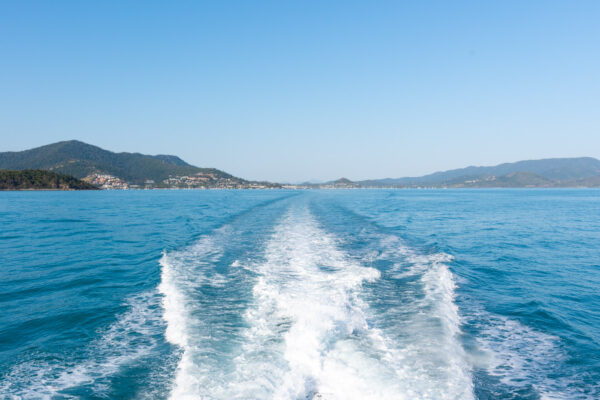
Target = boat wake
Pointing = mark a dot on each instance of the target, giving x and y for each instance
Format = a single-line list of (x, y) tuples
[(305, 329)]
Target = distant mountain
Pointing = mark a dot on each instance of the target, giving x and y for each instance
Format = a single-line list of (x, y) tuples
[(173, 160), (40, 180), (80, 160), (342, 183), (551, 172), (83, 160), (111, 170)]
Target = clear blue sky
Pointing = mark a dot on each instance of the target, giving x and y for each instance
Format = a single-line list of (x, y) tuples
[(294, 90)]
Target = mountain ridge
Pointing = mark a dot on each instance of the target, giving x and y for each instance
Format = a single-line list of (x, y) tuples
[(120, 170), (551, 168), (548, 172)]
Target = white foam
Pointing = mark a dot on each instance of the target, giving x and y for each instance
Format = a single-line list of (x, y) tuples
[(132, 336), (307, 330), (521, 356), (426, 348), (517, 355), (309, 335), (306, 316), (407, 261), (182, 275)]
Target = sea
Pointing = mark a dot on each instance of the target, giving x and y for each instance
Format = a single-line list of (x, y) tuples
[(314, 294)]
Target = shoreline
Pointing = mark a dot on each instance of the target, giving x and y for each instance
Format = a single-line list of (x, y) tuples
[(303, 188)]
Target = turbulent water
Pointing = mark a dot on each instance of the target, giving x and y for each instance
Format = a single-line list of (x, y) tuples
[(406, 294)]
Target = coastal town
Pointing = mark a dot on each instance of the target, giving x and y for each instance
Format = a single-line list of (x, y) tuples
[(201, 180), (105, 181)]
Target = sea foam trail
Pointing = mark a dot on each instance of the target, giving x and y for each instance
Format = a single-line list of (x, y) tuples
[(421, 321), (516, 355), (307, 334), (184, 274), (307, 330)]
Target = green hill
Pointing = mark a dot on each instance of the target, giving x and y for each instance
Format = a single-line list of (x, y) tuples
[(38, 179), (81, 160)]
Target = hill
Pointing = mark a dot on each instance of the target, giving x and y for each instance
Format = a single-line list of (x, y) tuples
[(119, 170), (38, 179), (552, 172), (80, 160), (342, 183)]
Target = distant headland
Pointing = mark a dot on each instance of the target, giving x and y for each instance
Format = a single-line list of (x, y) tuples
[(76, 165), (545, 173), (108, 170)]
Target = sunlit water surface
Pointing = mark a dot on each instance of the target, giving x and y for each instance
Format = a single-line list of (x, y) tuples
[(360, 294)]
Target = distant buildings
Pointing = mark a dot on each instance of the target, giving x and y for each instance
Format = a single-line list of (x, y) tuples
[(201, 180), (105, 181)]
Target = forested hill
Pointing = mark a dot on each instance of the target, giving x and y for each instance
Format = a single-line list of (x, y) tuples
[(38, 179), (84, 160)]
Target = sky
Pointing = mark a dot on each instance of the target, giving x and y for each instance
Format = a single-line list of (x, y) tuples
[(305, 90)]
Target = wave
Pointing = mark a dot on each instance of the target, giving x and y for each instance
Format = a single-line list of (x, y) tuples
[(134, 335), (308, 329), (183, 275), (522, 358), (424, 321), (307, 326), (518, 360)]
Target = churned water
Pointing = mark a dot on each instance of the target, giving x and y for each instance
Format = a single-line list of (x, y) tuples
[(359, 294)]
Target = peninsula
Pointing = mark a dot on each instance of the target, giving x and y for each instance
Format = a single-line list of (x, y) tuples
[(108, 170), (544, 173)]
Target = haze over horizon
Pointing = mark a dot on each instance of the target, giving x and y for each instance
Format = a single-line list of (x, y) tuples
[(299, 91)]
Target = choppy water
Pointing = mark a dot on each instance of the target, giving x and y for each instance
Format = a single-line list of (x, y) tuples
[(407, 294)]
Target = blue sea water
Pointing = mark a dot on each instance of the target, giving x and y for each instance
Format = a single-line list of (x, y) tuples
[(358, 294)]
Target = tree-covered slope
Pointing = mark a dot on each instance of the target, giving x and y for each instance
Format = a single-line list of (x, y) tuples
[(80, 160), (39, 179)]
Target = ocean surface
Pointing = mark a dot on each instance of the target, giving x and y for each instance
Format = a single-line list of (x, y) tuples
[(357, 294)]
